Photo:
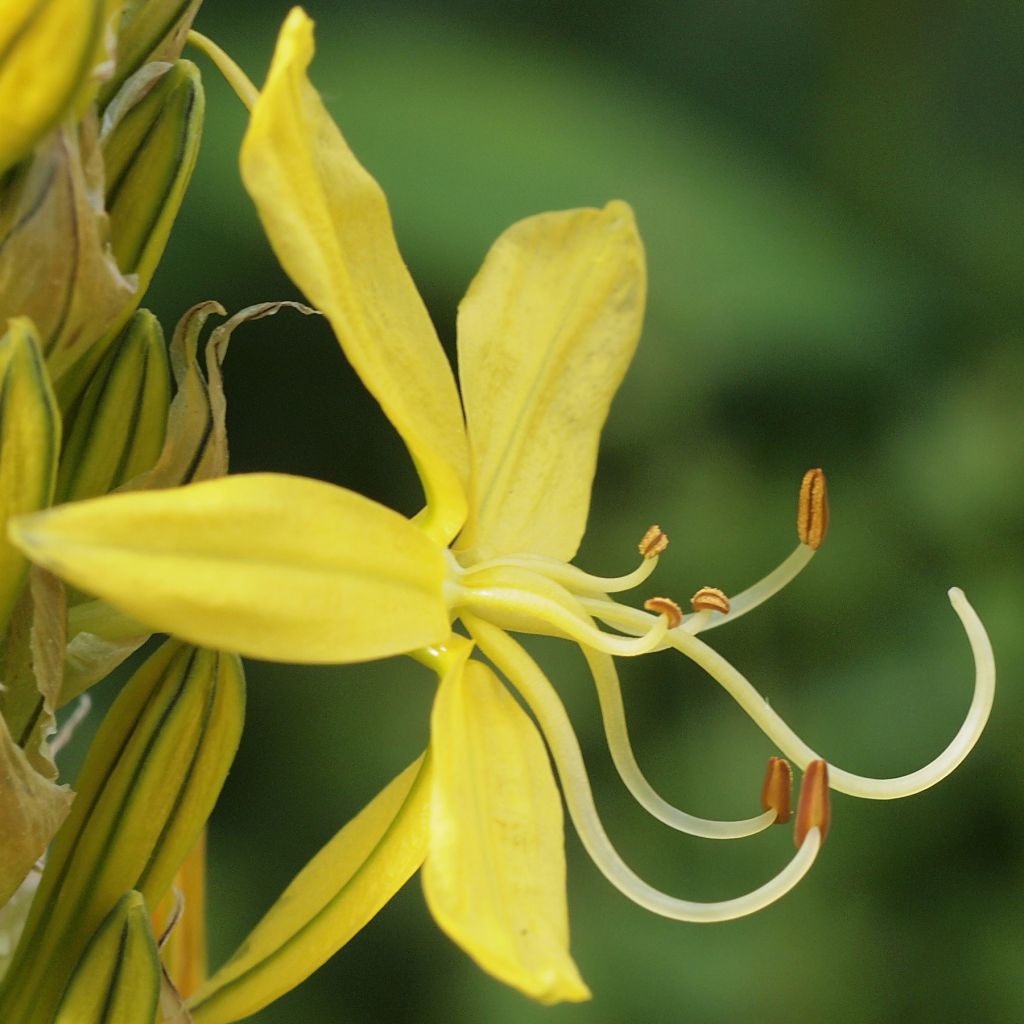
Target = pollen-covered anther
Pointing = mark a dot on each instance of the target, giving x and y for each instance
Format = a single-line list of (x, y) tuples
[(667, 607), (710, 599), (813, 810), (654, 541), (812, 510), (777, 792)]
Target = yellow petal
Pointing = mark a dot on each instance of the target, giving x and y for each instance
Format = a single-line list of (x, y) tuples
[(329, 224), (47, 51), (546, 333), (495, 874), (275, 567), (330, 900)]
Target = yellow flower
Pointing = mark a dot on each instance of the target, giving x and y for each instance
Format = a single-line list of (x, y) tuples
[(296, 570)]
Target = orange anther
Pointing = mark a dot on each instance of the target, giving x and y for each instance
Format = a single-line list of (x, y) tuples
[(777, 792), (667, 607), (653, 543), (710, 599), (812, 510), (813, 809)]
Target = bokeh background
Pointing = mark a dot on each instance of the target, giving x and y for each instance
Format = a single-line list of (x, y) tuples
[(830, 195)]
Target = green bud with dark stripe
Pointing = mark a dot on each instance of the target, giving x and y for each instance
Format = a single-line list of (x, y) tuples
[(150, 141), (29, 445), (117, 981), (150, 780), (149, 30), (116, 430)]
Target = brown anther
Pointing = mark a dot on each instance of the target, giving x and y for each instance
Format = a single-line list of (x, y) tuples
[(667, 607), (777, 792), (812, 510), (710, 599), (653, 543), (813, 809)]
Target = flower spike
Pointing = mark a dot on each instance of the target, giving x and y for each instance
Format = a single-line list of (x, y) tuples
[(814, 810), (777, 792)]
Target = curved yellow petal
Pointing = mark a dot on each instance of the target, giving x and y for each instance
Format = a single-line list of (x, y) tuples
[(495, 874), (330, 900), (270, 566), (329, 224), (48, 49), (546, 332)]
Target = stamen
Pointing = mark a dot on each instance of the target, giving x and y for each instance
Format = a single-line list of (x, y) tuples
[(653, 542), (571, 576), (527, 596), (710, 599), (814, 809), (812, 510), (777, 793), (554, 723), (783, 737), (613, 715), (667, 607), (67, 731)]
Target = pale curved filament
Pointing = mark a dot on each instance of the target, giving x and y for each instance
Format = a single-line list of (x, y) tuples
[(795, 748), (609, 695), (545, 704), (747, 600), (570, 575), (530, 605)]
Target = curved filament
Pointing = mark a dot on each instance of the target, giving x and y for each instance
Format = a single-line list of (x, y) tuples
[(609, 694), (743, 692), (545, 704)]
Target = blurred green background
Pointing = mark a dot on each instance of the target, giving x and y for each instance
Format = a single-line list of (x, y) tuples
[(830, 194)]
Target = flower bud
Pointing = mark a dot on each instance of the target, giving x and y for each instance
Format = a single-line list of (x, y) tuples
[(118, 978), (49, 51), (150, 30), (147, 787), (29, 446), (117, 429)]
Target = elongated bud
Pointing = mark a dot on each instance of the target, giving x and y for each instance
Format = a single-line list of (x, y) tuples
[(117, 980), (150, 30), (814, 809), (117, 429), (777, 792), (147, 787), (150, 140), (812, 510), (29, 446), (48, 53)]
